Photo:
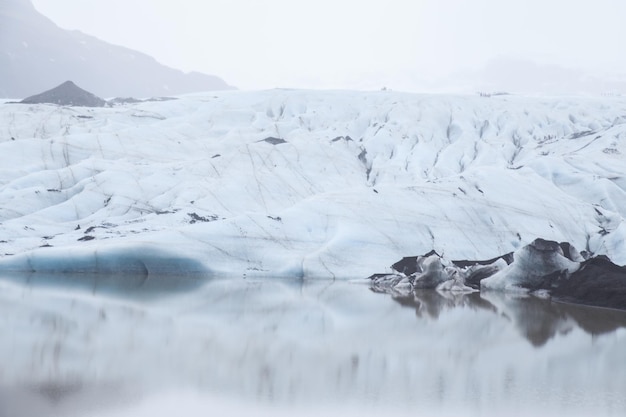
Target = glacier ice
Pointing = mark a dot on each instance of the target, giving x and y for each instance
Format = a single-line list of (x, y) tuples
[(531, 265), (350, 182)]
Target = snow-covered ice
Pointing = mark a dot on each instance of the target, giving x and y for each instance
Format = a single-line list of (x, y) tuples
[(307, 184)]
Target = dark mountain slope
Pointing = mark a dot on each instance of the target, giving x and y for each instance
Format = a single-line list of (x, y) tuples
[(35, 54), (66, 94)]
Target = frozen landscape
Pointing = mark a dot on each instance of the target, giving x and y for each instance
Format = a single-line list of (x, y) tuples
[(208, 252), (308, 184), (172, 247)]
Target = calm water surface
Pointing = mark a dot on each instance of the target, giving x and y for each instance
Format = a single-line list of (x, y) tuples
[(127, 346)]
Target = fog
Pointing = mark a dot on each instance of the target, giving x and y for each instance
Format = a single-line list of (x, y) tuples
[(565, 46)]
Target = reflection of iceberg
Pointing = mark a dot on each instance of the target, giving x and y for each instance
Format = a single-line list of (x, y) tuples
[(537, 319), (118, 285), (296, 344), (428, 303)]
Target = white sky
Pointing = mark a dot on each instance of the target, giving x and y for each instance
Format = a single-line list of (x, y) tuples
[(257, 44)]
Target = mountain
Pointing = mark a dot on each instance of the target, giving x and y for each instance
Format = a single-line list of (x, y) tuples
[(307, 184), (66, 94), (36, 54)]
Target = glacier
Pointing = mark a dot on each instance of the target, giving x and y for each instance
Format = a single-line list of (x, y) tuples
[(315, 184)]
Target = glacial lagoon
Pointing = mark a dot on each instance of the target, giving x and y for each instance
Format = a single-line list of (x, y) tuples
[(81, 345)]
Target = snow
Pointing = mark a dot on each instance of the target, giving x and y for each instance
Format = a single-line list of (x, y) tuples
[(361, 180)]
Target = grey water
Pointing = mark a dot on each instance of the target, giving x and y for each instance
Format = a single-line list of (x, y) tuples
[(132, 346)]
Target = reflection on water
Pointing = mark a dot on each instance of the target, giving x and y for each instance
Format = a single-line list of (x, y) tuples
[(537, 319), (140, 287), (107, 346), (431, 304)]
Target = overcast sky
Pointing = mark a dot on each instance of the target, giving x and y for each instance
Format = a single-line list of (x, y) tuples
[(365, 44)]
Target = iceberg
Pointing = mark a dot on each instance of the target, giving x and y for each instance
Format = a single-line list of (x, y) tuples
[(544, 268), (532, 265)]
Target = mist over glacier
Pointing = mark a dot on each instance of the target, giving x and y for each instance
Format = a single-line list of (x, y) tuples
[(306, 184)]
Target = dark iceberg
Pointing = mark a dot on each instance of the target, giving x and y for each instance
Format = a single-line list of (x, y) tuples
[(543, 267)]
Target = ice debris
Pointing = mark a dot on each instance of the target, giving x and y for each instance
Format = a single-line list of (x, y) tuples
[(544, 267)]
